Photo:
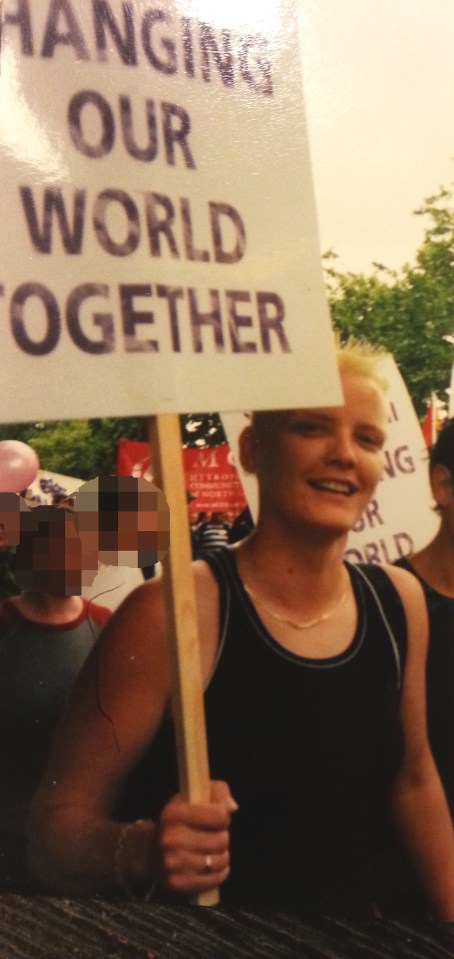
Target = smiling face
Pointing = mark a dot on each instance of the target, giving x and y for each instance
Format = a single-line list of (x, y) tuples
[(317, 469)]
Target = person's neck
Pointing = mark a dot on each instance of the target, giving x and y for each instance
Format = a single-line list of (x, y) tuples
[(435, 563), (291, 567), (44, 607)]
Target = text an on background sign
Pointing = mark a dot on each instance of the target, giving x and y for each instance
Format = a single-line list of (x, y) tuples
[(211, 479), (136, 37)]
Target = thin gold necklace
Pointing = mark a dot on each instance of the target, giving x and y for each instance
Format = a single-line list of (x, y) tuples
[(290, 622)]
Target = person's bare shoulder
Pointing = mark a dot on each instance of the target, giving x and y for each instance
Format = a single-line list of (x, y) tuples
[(139, 616), (139, 624), (407, 585), (413, 601)]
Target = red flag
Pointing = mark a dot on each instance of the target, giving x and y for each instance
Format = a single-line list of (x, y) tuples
[(427, 425), (433, 420)]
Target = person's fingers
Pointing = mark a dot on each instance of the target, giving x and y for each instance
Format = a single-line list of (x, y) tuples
[(210, 815), (212, 863), (189, 872), (192, 841), (195, 863), (200, 883), (220, 793)]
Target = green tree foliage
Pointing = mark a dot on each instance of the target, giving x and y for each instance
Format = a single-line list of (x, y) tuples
[(88, 448), (411, 311), (85, 448)]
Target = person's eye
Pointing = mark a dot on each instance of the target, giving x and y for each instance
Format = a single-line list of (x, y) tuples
[(307, 427), (370, 440)]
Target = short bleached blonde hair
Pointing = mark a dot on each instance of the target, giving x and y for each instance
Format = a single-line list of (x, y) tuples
[(361, 357)]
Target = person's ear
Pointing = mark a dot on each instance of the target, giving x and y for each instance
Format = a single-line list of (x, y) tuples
[(248, 449), (441, 483)]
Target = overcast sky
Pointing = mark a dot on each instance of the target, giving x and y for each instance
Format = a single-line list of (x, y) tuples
[(379, 79)]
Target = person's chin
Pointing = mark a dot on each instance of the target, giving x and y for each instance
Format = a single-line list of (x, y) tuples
[(147, 558), (65, 589), (331, 524), (122, 557)]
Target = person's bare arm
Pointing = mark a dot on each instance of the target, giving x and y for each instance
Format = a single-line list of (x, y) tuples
[(115, 711), (419, 803)]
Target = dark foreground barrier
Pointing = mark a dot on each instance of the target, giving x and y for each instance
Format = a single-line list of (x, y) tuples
[(44, 928)]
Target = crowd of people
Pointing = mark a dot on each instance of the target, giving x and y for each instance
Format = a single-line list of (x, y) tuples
[(328, 795), (213, 530)]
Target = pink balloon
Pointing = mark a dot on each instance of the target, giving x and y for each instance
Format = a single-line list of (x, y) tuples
[(19, 465)]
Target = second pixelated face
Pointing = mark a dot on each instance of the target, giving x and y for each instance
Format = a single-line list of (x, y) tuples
[(123, 521)]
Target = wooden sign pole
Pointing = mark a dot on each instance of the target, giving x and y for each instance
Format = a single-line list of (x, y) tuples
[(182, 629)]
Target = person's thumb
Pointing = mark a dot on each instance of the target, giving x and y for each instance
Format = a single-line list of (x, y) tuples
[(220, 793)]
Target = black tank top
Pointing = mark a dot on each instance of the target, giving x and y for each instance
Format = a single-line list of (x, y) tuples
[(308, 747), (439, 681)]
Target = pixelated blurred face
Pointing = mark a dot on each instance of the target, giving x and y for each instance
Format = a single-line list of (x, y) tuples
[(87, 525), (134, 536), (122, 521), (49, 559)]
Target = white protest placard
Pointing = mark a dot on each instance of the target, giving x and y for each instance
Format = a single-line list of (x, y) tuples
[(400, 518), (47, 484), (158, 233)]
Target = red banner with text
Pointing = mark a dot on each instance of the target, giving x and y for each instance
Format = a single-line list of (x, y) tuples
[(212, 481)]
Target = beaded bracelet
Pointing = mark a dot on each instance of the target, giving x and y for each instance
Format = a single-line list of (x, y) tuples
[(146, 892)]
